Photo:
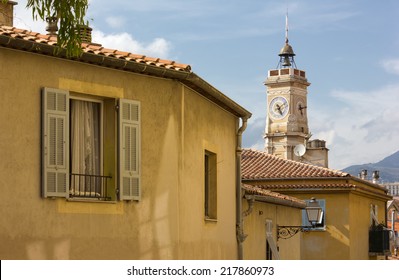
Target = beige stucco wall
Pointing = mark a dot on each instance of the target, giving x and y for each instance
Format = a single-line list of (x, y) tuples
[(333, 242), (347, 222), (255, 228), (168, 223), (360, 217)]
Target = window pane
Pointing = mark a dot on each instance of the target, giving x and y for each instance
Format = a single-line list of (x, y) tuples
[(85, 130)]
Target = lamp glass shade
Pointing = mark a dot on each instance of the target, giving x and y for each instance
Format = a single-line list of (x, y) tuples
[(314, 211)]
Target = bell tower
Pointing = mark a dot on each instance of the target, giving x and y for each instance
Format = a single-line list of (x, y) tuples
[(287, 131)]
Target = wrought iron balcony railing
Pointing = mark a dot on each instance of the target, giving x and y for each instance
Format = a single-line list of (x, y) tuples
[(89, 186)]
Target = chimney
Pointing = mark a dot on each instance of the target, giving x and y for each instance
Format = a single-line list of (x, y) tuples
[(51, 27), (85, 33), (363, 174), (376, 176), (7, 13)]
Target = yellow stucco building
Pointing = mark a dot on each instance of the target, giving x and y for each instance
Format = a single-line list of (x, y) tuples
[(350, 205), (263, 212), (113, 155)]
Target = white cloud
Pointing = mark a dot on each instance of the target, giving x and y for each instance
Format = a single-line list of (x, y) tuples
[(115, 22), (364, 130), (253, 135), (159, 47), (391, 66)]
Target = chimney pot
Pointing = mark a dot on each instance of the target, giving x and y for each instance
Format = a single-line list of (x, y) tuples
[(376, 176), (85, 33), (7, 13), (363, 174), (51, 27)]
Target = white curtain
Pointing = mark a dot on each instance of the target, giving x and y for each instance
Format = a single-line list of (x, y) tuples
[(85, 145)]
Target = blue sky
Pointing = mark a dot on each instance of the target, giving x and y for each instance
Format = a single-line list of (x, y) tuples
[(348, 48)]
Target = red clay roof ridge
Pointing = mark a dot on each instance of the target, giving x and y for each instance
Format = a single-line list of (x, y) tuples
[(298, 164), (93, 48)]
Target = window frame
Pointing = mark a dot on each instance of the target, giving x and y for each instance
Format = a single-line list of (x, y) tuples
[(55, 152), (74, 96)]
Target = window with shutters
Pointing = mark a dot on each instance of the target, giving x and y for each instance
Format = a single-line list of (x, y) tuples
[(84, 154)]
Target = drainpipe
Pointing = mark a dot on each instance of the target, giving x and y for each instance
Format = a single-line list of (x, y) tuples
[(250, 199), (239, 215)]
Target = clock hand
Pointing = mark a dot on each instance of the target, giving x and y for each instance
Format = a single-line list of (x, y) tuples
[(301, 108), (279, 109)]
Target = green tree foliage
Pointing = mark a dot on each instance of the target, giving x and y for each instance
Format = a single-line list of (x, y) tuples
[(69, 13)]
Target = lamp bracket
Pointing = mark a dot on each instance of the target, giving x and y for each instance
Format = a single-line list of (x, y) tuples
[(286, 232)]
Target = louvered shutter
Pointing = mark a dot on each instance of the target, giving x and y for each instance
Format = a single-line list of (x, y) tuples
[(55, 142), (129, 150), (270, 240)]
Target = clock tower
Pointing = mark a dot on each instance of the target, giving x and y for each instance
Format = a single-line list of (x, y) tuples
[(287, 133)]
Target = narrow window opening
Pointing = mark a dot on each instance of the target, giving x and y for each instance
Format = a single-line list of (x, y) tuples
[(210, 177)]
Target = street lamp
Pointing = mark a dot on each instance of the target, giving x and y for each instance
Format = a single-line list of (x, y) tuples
[(313, 212)]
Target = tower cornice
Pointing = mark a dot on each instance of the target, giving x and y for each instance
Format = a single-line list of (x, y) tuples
[(286, 75)]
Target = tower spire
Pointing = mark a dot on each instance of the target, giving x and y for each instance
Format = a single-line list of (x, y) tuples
[(286, 27)]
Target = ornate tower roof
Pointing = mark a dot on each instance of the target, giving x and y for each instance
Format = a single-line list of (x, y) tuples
[(286, 53)]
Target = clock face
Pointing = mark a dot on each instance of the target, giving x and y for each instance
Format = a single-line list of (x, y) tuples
[(278, 108)]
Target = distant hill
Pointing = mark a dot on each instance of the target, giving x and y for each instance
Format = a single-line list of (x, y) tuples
[(388, 167)]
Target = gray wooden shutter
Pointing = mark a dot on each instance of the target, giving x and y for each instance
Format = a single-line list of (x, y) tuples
[(55, 142), (270, 240), (129, 150)]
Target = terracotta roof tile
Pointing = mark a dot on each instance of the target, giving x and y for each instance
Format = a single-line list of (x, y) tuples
[(121, 53), (260, 165), (258, 190), (306, 185), (93, 48)]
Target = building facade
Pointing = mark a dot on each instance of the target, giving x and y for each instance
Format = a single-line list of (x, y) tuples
[(350, 205), (113, 155), (264, 212), (393, 188)]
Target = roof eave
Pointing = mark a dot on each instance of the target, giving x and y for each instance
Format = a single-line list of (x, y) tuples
[(279, 179), (186, 77), (278, 201)]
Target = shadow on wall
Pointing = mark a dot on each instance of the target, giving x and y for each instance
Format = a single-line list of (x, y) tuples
[(44, 250)]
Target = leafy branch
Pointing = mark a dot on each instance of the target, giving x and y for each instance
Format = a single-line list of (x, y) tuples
[(69, 13)]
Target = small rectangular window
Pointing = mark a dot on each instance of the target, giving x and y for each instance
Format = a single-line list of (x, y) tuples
[(210, 178), (269, 227)]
